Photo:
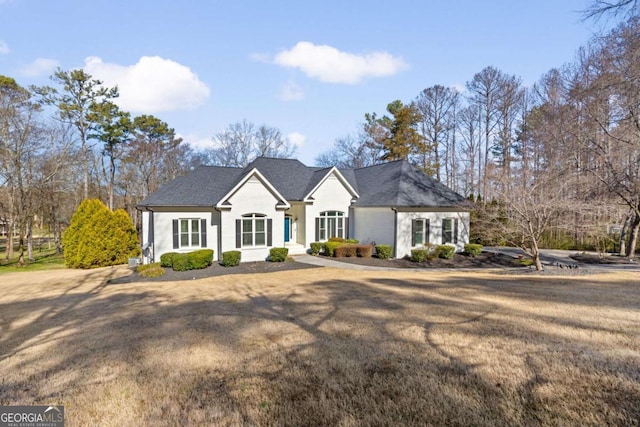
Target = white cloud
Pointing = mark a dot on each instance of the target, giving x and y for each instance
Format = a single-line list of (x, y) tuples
[(328, 64), (197, 141), (296, 138), (151, 85), (459, 87), (4, 47), (260, 57), (40, 67), (291, 91)]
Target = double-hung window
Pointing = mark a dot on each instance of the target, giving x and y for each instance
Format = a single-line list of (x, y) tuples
[(419, 232), (189, 233), (330, 224), (450, 230), (254, 230)]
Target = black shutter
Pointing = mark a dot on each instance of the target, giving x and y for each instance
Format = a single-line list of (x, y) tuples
[(455, 230), (317, 229), (176, 236), (203, 233), (413, 232), (427, 232), (269, 226), (346, 227), (238, 233)]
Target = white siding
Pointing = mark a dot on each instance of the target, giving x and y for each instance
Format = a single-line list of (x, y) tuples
[(298, 219), (252, 197), (373, 225), (403, 232), (162, 240), (332, 195)]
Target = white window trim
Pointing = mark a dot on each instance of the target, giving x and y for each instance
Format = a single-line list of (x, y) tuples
[(323, 230), (426, 231), (454, 237), (189, 233), (253, 218)]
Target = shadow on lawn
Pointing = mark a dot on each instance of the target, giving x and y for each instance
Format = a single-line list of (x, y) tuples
[(369, 352)]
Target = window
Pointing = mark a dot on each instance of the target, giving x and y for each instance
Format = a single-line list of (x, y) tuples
[(254, 230), (330, 224), (189, 233), (419, 232), (450, 230)]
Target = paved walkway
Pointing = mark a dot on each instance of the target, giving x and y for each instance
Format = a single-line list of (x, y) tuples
[(323, 261)]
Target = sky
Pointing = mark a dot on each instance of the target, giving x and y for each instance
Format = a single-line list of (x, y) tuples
[(311, 68)]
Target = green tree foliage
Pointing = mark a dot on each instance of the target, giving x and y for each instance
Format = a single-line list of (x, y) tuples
[(98, 237)]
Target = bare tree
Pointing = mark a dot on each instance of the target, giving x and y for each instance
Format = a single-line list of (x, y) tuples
[(351, 151)]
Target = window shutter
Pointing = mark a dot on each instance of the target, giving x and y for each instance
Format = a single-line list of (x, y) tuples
[(346, 227), (317, 229), (238, 233), (176, 236), (203, 233), (455, 230), (413, 232), (427, 232), (269, 238)]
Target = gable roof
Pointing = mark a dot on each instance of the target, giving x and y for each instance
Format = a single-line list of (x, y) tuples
[(394, 184)]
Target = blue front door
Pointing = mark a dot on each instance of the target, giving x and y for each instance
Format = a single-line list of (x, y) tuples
[(287, 229)]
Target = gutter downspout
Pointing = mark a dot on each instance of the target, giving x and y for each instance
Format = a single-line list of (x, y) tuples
[(151, 233), (395, 232)]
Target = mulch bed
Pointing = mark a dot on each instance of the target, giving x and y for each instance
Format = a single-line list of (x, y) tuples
[(484, 260), (215, 270), (605, 259)]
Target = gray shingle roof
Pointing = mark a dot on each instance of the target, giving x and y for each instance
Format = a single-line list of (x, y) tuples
[(394, 184)]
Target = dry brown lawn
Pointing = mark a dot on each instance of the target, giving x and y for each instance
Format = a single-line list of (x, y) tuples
[(324, 347)]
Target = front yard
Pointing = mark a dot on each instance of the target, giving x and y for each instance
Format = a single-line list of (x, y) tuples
[(324, 347)]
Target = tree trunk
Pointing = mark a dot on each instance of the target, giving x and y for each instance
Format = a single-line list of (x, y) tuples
[(623, 235), (10, 249), (633, 241), (29, 240)]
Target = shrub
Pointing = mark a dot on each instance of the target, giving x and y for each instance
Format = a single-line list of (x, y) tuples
[(98, 237), (345, 250), (473, 249), (337, 239), (231, 258), (316, 248), (180, 262), (419, 255), (150, 270), (201, 258), (166, 259), (354, 241), (330, 247), (364, 251), (384, 251), (278, 254), (446, 251)]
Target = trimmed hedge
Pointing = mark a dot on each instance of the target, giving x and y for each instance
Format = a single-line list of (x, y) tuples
[(337, 239), (384, 251), (316, 248), (201, 258), (419, 255), (346, 250), (180, 262), (330, 247), (354, 241), (473, 249), (364, 251), (231, 258), (446, 251), (278, 254), (166, 259)]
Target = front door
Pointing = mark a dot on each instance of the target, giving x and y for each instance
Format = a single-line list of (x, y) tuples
[(287, 229)]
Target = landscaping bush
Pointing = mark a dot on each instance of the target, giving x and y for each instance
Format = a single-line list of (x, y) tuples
[(354, 241), (419, 255), (201, 258), (231, 258), (180, 262), (473, 249), (166, 259), (337, 239), (345, 250), (364, 251), (150, 270), (330, 247), (446, 251), (384, 251), (316, 248), (98, 237), (278, 254)]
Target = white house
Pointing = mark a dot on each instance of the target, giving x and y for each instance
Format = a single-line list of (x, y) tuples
[(283, 203)]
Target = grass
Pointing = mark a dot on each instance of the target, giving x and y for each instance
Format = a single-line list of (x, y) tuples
[(43, 260), (324, 348)]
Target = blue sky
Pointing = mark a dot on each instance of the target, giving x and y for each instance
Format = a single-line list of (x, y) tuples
[(310, 68)]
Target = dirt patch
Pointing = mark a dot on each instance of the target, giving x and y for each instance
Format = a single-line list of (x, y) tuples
[(606, 259)]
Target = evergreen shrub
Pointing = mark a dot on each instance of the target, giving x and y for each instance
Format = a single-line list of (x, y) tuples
[(446, 251), (278, 254), (384, 251), (316, 248), (473, 249), (231, 258)]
